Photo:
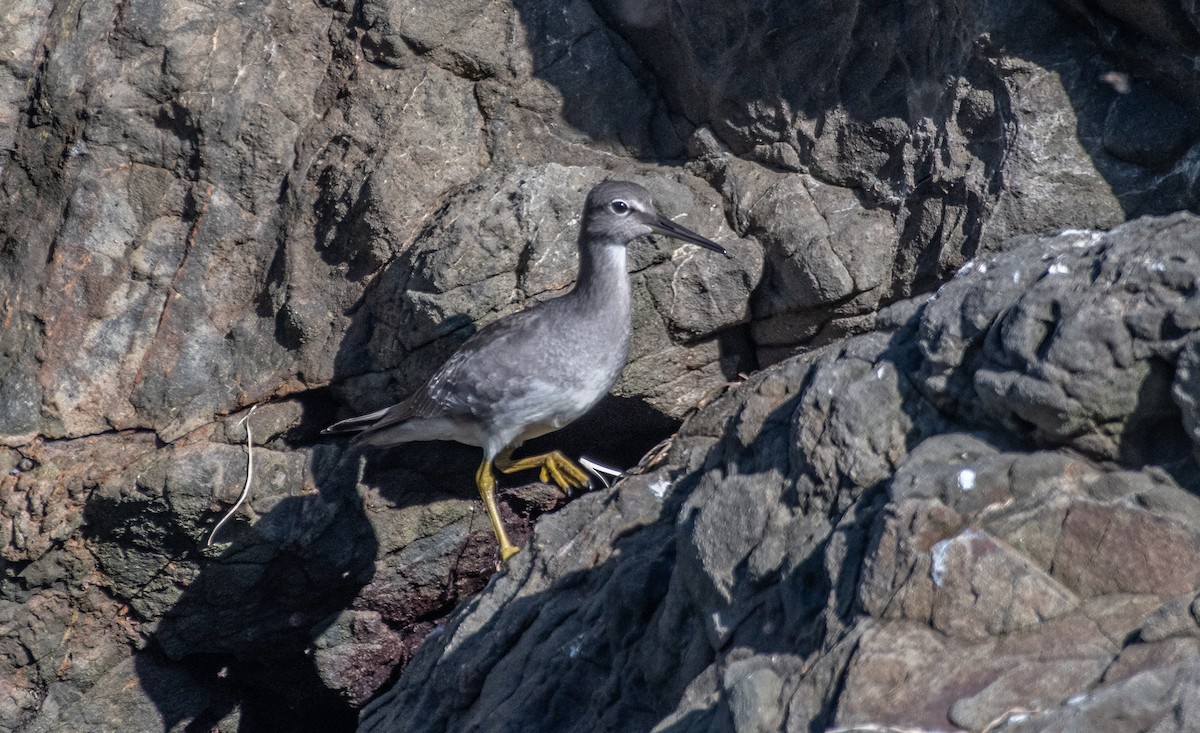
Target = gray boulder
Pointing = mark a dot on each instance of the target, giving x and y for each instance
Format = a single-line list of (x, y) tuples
[(984, 511)]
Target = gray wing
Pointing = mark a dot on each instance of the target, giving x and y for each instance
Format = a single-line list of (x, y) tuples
[(493, 367), (490, 367)]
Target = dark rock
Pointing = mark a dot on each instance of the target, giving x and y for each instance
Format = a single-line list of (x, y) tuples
[(1148, 128), (823, 521), (1186, 388)]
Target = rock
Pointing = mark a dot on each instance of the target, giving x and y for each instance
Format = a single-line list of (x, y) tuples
[(1185, 390), (948, 566), (1147, 128), (1159, 700), (120, 699), (1086, 394), (303, 208)]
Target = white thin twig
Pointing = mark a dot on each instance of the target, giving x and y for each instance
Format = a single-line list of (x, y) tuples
[(249, 477), (599, 470)]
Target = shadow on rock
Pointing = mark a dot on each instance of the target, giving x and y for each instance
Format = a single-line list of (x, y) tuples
[(239, 619), (613, 643), (947, 128), (602, 625), (634, 610), (297, 618), (945, 507)]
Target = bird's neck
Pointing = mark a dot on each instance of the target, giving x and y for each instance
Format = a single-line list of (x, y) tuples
[(603, 279)]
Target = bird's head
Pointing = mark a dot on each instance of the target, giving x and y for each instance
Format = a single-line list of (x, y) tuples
[(620, 211)]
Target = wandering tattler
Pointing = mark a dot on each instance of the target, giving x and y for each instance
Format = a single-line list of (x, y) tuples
[(533, 372)]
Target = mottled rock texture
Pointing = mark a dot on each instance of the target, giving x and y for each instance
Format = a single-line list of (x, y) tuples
[(303, 208), (983, 513)]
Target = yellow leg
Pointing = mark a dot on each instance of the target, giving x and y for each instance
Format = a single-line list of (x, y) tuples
[(487, 490), (554, 467)]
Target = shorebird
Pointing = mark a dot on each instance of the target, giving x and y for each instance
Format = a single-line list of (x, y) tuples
[(535, 371)]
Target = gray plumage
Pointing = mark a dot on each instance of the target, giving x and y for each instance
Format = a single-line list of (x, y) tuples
[(534, 372)]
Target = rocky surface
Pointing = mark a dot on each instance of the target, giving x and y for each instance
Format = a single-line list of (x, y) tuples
[(982, 514), (224, 226)]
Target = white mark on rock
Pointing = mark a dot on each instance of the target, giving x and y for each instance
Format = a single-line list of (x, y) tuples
[(722, 630), (1081, 237), (1058, 268), (938, 553), (1016, 276), (576, 645), (659, 488), (1075, 700), (966, 479), (880, 372)]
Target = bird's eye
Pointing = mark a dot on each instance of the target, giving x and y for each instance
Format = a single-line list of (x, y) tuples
[(619, 207)]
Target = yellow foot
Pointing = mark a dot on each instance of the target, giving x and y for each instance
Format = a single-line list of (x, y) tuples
[(554, 467), (508, 551)]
